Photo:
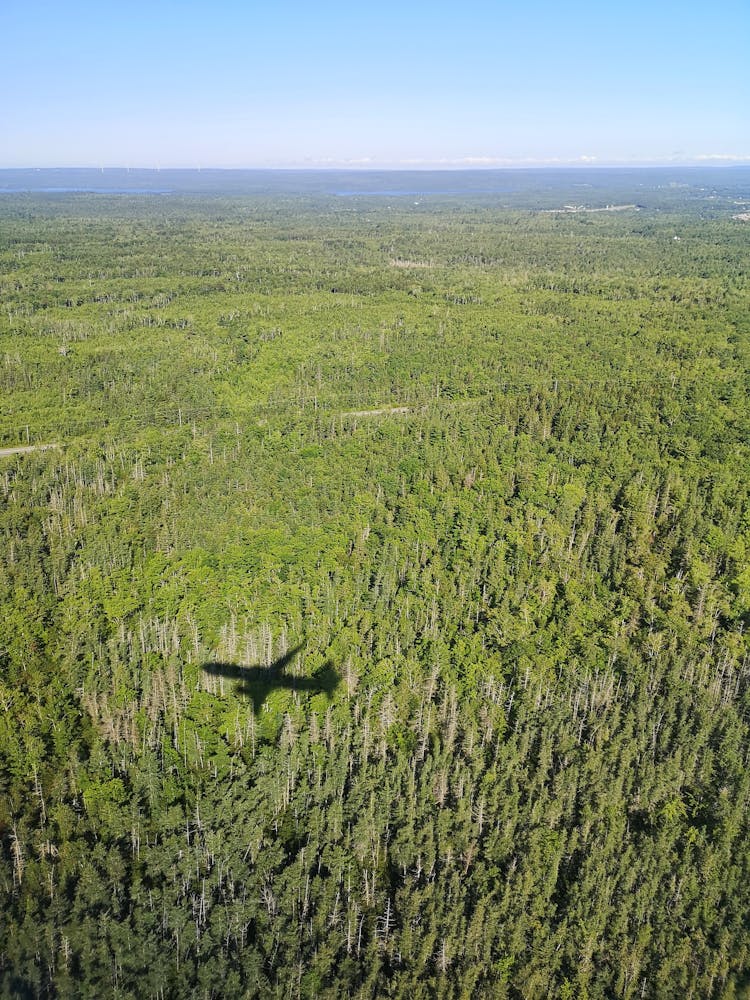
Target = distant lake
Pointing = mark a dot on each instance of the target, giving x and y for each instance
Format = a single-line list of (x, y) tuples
[(533, 188), (80, 190), (330, 183), (421, 193)]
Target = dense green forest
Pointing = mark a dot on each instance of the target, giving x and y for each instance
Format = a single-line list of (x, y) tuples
[(377, 624)]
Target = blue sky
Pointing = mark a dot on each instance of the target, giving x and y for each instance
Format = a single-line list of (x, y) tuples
[(473, 83)]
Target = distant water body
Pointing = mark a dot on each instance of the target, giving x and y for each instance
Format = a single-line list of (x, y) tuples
[(417, 193), (336, 183), (79, 190), (536, 187)]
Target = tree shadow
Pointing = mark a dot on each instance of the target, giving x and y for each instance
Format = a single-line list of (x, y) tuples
[(257, 682)]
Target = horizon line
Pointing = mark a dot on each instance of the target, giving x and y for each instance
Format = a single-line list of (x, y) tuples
[(410, 166)]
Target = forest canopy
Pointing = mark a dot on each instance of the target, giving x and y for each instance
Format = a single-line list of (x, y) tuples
[(375, 592)]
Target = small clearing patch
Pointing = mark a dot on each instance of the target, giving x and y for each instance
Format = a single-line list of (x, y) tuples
[(585, 208)]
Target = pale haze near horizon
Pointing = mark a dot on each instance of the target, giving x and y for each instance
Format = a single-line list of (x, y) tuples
[(394, 85)]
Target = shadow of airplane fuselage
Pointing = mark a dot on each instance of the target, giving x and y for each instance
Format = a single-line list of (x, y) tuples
[(257, 682)]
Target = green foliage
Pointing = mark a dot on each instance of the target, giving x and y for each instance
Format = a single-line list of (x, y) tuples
[(379, 625)]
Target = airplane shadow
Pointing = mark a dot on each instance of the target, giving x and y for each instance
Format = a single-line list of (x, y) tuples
[(257, 682)]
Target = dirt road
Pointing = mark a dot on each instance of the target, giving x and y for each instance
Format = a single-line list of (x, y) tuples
[(23, 448)]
